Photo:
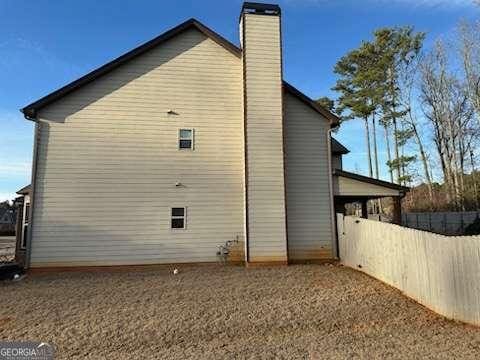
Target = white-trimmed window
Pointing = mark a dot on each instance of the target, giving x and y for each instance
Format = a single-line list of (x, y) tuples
[(179, 218), (185, 139)]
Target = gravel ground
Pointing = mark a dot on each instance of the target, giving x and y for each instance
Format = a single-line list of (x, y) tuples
[(304, 311)]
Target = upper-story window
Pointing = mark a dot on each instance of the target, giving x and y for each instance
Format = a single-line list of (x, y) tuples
[(185, 139)]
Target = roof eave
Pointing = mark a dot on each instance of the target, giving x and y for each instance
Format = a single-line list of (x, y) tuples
[(370, 180), (29, 114), (341, 152), (338, 148), (332, 118), (25, 190)]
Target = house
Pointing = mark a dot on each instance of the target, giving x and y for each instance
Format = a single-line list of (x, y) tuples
[(182, 145), (7, 220)]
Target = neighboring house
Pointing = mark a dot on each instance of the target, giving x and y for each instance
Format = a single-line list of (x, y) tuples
[(7, 221), (183, 144), (7, 217)]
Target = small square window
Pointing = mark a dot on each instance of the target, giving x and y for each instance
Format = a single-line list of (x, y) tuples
[(178, 218), (185, 139)]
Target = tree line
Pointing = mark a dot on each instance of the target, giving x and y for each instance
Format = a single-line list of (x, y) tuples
[(426, 105)]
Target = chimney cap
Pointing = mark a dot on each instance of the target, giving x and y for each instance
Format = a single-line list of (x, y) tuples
[(260, 8)]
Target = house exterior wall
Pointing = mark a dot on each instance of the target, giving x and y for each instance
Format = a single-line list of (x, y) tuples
[(264, 138), (350, 187), (337, 162), (310, 233), (108, 161)]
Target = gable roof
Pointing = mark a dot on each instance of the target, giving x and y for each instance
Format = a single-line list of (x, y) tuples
[(25, 190), (337, 148), (334, 119), (30, 111)]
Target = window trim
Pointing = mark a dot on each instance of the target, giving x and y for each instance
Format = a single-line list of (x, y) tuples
[(184, 217), (25, 223), (192, 139)]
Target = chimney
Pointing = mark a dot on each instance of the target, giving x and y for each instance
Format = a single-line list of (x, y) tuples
[(260, 34)]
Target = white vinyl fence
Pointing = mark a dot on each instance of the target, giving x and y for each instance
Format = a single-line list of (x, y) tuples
[(440, 272)]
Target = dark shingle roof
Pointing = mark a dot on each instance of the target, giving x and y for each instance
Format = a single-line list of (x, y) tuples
[(338, 149), (24, 191)]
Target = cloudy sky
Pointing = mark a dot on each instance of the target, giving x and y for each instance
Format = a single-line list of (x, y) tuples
[(46, 44)]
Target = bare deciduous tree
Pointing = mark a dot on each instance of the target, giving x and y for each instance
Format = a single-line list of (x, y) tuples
[(469, 48), (446, 105)]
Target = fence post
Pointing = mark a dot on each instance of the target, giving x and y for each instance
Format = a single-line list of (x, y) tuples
[(462, 224)]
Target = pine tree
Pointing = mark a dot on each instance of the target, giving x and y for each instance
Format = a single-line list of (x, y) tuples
[(359, 92), (397, 49), (326, 103)]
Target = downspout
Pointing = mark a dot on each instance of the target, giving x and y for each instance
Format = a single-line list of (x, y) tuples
[(28, 249), (330, 186), (245, 146)]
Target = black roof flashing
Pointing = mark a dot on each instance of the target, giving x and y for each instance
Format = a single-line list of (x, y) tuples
[(260, 8), (366, 179)]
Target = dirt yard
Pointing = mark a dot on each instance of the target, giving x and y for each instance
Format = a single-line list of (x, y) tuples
[(7, 248), (304, 311)]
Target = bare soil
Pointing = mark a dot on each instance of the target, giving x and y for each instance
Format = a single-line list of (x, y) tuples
[(7, 248), (304, 311)]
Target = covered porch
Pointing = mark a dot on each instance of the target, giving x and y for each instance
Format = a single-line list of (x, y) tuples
[(353, 188)]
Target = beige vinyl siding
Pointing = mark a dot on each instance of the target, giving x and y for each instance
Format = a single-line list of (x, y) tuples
[(308, 195), (337, 162), (264, 138), (350, 187), (109, 161)]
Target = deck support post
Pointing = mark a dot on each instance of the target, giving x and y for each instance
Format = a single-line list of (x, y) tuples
[(397, 210), (339, 207), (364, 209)]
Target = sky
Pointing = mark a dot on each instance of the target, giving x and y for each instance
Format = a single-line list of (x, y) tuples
[(46, 44)]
